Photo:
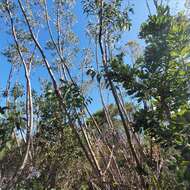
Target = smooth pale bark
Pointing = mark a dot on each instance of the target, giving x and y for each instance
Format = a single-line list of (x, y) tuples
[(7, 90), (29, 104), (58, 92), (115, 95)]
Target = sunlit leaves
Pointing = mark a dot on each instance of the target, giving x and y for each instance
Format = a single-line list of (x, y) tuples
[(17, 91), (112, 15)]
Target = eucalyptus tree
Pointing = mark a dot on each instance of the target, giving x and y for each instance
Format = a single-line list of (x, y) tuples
[(73, 88), (67, 91), (23, 51), (109, 20), (20, 52)]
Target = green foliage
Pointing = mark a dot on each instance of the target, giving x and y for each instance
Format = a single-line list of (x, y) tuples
[(159, 80), (11, 120), (165, 62), (113, 17), (58, 146)]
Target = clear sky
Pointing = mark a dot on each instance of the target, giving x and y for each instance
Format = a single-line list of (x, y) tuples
[(140, 15)]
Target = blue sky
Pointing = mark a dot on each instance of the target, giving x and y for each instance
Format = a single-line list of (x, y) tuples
[(140, 15)]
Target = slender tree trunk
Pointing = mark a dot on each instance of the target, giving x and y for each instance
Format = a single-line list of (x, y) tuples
[(29, 107), (57, 91), (114, 92)]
